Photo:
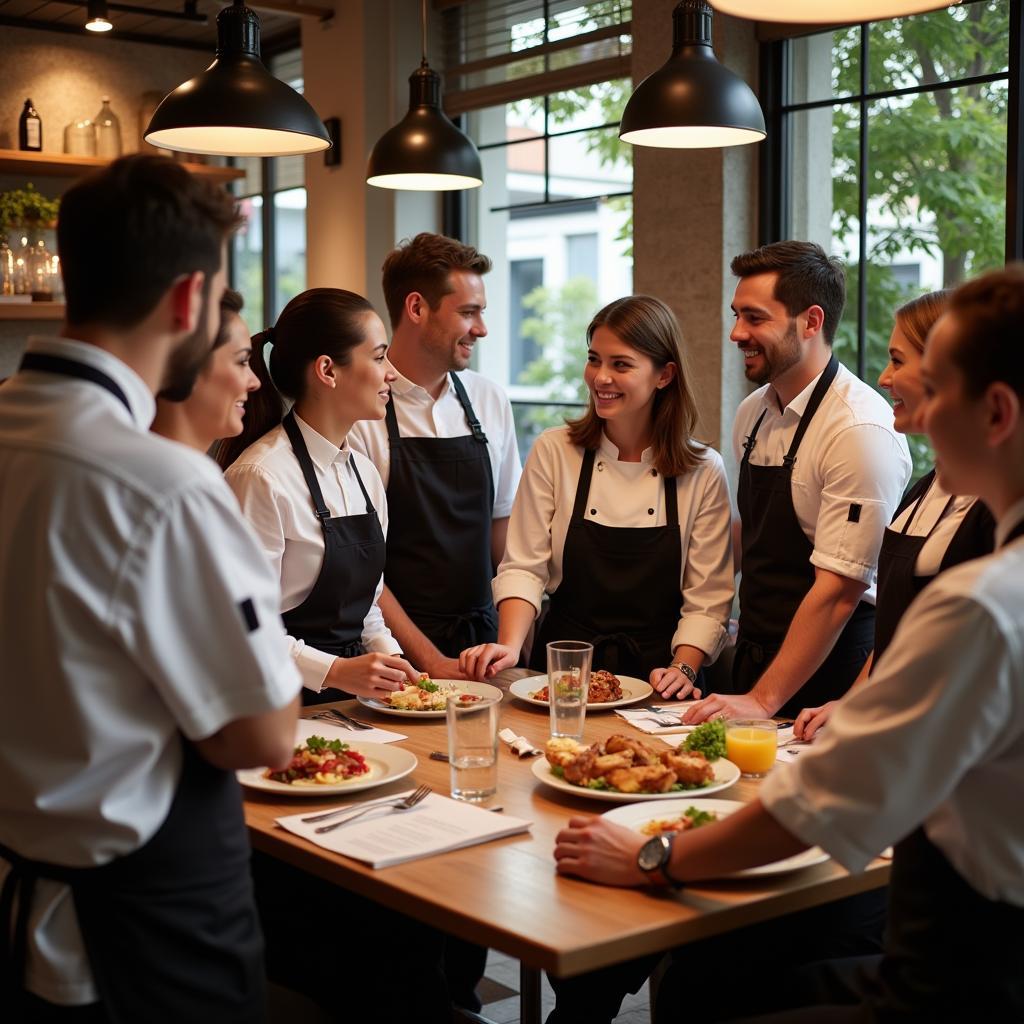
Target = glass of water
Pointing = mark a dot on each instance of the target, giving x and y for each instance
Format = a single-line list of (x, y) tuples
[(473, 749), (568, 684)]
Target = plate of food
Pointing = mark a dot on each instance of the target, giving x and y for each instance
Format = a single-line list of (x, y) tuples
[(324, 767), (604, 693), (621, 769), (683, 815), (429, 697)]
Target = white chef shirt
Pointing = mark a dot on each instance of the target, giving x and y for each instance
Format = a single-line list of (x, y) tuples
[(124, 566), (268, 482), (934, 520), (623, 494), (850, 456), (936, 736), (419, 415)]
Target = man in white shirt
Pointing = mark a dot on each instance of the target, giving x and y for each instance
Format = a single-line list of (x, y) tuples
[(821, 473), (930, 755), (144, 658)]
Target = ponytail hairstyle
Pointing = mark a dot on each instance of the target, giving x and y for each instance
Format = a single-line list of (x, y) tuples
[(317, 322), (647, 325)]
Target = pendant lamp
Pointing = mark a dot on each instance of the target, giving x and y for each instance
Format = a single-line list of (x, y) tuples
[(836, 12), (236, 107), (692, 101), (424, 152), (98, 20)]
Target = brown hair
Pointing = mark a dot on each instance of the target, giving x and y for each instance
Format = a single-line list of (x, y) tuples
[(917, 317), (807, 276), (988, 312), (127, 232), (317, 322), (230, 302), (423, 265), (649, 326)]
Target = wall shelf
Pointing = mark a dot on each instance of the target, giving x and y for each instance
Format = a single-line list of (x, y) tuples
[(31, 310), (63, 165)]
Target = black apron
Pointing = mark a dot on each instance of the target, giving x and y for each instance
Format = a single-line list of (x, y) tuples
[(170, 930), (331, 617), (440, 506), (620, 588), (898, 584), (777, 574)]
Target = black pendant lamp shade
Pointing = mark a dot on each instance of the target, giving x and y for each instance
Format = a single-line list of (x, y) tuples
[(236, 107), (98, 20), (692, 101)]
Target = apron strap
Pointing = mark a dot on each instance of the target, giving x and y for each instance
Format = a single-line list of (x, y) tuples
[(391, 420), (291, 428), (72, 368), (671, 502), (751, 441), (583, 485), (824, 383), (359, 480), (917, 506), (467, 408)]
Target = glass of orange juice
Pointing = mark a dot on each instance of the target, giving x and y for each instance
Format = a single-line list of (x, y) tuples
[(751, 744)]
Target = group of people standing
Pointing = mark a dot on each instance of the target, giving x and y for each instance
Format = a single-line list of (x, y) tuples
[(389, 534)]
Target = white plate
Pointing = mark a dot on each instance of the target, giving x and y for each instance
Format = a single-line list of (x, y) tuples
[(387, 763), (464, 686), (633, 690), (726, 773), (635, 815)]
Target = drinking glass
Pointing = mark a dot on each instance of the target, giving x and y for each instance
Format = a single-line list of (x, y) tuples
[(473, 749), (752, 745), (568, 684)]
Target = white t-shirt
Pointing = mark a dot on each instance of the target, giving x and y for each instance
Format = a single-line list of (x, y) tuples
[(850, 456), (419, 415), (936, 737), (126, 580), (268, 482), (623, 494), (938, 519)]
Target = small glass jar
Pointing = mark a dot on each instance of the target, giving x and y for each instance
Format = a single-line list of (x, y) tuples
[(108, 132), (80, 138), (39, 267), (6, 268)]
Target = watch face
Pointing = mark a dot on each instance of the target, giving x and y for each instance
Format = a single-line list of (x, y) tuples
[(653, 853)]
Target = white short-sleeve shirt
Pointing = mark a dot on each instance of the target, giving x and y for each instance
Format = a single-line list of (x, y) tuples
[(849, 474), (623, 494), (268, 482), (419, 415), (136, 604)]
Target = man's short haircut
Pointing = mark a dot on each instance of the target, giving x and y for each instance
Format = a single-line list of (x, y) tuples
[(126, 233), (423, 265), (988, 314), (808, 276)]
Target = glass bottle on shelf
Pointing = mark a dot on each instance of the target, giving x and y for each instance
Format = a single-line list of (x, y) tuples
[(39, 264), (108, 132), (80, 138), (6, 268), (30, 129)]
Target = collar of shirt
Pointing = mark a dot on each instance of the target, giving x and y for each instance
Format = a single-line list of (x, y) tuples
[(407, 388), (140, 398), (324, 453), (1007, 521), (798, 405), (609, 451)]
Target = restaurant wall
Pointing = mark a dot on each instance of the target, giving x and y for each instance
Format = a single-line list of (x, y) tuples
[(693, 211)]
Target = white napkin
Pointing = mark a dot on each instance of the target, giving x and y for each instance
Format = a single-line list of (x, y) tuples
[(307, 727), (520, 745), (664, 724), (789, 749)]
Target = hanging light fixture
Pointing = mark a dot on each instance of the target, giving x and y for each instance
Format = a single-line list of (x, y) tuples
[(236, 107), (692, 101), (424, 152), (836, 12), (98, 19)]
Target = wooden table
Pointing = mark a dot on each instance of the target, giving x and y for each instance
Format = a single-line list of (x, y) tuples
[(506, 894)]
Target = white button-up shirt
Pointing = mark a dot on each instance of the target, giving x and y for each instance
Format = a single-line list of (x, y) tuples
[(419, 415), (938, 519), (268, 482), (623, 494), (125, 569), (851, 456), (936, 736)]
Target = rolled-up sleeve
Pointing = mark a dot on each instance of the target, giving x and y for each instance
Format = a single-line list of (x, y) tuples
[(707, 579), (866, 468)]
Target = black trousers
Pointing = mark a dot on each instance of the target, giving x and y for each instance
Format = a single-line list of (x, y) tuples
[(34, 1010)]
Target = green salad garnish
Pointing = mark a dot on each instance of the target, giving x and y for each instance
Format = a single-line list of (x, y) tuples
[(427, 684), (320, 745), (707, 739)]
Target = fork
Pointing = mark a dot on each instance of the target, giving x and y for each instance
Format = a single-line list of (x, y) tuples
[(404, 804), (339, 718)]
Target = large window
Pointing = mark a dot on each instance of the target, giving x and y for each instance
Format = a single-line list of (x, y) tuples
[(894, 155)]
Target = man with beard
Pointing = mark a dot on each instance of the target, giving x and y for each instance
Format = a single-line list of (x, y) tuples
[(144, 657), (821, 472)]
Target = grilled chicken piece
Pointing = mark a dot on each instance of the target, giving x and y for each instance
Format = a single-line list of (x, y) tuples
[(580, 770), (642, 754), (605, 763), (649, 778), (562, 750), (691, 768)]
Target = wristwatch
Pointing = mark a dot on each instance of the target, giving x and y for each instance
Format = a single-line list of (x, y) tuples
[(686, 670), (653, 857)]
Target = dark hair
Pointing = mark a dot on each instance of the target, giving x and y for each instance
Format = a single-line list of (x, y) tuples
[(423, 265), (988, 313), (230, 302), (127, 232), (807, 276), (317, 322), (649, 326)]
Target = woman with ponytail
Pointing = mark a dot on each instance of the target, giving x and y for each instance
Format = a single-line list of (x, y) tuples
[(621, 518), (318, 507)]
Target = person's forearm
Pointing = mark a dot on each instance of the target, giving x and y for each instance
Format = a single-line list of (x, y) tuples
[(820, 618), (515, 616), (499, 534), (265, 739), (692, 656), (415, 644)]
